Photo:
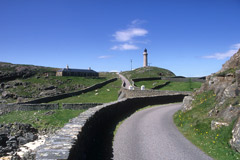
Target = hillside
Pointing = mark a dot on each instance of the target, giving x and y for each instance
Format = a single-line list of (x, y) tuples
[(147, 72), (9, 71), (210, 118), (21, 83)]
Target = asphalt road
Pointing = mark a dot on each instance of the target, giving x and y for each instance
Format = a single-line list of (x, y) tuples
[(150, 134), (124, 79)]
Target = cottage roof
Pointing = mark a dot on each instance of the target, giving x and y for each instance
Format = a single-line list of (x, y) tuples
[(77, 70)]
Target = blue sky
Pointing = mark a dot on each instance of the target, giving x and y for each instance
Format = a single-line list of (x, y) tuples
[(188, 37)]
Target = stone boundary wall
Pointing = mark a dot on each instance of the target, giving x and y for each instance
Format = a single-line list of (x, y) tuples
[(80, 105), (174, 79), (161, 85), (193, 79), (148, 93), (83, 136), (66, 95), (7, 108)]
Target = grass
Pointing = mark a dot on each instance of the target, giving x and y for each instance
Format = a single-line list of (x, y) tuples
[(64, 84), (150, 84), (147, 72), (182, 86), (196, 126), (41, 119), (105, 94)]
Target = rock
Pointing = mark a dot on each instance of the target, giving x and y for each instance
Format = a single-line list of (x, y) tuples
[(187, 103), (216, 125), (30, 137), (237, 73), (49, 113), (49, 88), (22, 140), (235, 141), (7, 86), (230, 91), (230, 113), (7, 94), (48, 93)]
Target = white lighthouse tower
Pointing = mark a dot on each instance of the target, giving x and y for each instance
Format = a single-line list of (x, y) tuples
[(145, 60)]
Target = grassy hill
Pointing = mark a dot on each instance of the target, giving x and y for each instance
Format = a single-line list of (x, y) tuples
[(147, 72), (20, 83)]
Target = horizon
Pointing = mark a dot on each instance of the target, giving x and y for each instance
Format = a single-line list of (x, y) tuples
[(189, 38)]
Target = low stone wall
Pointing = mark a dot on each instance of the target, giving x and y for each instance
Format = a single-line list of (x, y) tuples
[(66, 95), (148, 93), (90, 135), (161, 85), (80, 105), (7, 108), (174, 79), (193, 79)]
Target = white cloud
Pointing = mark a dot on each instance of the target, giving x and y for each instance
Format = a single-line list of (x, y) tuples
[(129, 34), (125, 47), (224, 55), (104, 57), (136, 22), (129, 37)]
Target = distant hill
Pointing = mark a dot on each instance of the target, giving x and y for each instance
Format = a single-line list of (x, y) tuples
[(147, 72), (9, 71)]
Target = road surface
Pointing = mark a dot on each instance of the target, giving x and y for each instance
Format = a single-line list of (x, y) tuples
[(150, 134), (125, 80)]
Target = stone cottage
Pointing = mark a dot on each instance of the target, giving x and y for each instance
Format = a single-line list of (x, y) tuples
[(77, 72)]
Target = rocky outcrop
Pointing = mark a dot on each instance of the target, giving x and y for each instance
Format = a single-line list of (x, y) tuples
[(14, 135), (226, 86), (235, 141), (187, 103)]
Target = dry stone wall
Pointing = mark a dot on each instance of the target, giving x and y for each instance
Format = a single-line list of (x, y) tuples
[(90, 135), (148, 93), (7, 108), (79, 105), (66, 95)]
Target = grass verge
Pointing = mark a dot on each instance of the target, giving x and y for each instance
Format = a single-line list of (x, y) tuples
[(150, 84), (195, 125), (107, 93), (42, 120), (182, 86)]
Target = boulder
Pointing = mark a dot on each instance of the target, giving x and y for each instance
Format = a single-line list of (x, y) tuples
[(187, 103), (7, 94), (230, 113), (216, 125), (235, 141)]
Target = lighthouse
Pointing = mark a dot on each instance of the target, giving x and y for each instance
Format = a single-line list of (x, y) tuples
[(145, 60)]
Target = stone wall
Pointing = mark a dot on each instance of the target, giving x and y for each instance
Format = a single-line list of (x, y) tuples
[(146, 93), (7, 108), (66, 95), (90, 135), (80, 105), (174, 79)]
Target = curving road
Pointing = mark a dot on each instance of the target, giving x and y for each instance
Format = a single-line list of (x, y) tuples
[(125, 80), (150, 134)]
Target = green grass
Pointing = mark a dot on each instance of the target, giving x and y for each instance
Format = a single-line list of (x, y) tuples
[(196, 126), (63, 84), (40, 120), (182, 86), (105, 94), (150, 84), (147, 72)]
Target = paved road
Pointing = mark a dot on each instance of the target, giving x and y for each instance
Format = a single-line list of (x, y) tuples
[(151, 135), (124, 79)]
